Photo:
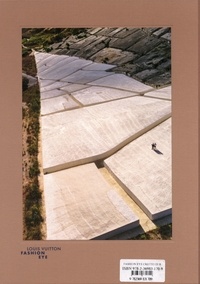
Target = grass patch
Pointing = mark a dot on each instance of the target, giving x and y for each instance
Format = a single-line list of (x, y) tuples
[(42, 39), (34, 169), (32, 195)]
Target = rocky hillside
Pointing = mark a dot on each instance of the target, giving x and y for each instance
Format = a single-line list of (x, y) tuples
[(141, 53)]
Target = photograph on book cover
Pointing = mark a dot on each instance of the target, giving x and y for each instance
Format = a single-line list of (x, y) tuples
[(101, 123), (100, 99)]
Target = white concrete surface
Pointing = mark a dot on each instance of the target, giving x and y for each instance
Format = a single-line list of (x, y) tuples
[(83, 77), (81, 205), (163, 93), (120, 81), (146, 174), (84, 135), (53, 86), (54, 59), (96, 94), (63, 69), (51, 94), (113, 122), (44, 83), (76, 70), (70, 88), (57, 104), (39, 56), (98, 67), (48, 61), (54, 63)]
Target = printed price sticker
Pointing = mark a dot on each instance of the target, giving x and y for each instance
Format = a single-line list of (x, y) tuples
[(142, 270)]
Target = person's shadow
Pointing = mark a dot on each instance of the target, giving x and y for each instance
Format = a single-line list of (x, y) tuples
[(158, 152)]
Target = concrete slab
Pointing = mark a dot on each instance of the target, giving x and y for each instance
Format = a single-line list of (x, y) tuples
[(145, 174), (51, 94), (95, 94), (145, 223), (98, 67), (78, 129), (57, 104), (49, 72), (63, 69), (70, 88), (53, 86), (84, 135), (48, 61), (39, 56), (42, 69), (70, 69), (120, 81), (53, 62), (45, 83), (77, 212), (83, 77), (163, 93)]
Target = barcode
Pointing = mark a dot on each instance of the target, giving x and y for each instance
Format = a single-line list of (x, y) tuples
[(141, 272)]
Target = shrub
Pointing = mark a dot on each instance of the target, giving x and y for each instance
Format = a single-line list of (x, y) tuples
[(34, 169), (33, 148), (35, 105), (25, 82), (34, 127), (33, 217), (34, 233), (34, 193)]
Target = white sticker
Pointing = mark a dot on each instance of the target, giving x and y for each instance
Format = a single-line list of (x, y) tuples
[(142, 270)]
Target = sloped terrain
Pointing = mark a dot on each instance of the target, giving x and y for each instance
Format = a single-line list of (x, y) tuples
[(141, 53), (94, 133), (101, 106)]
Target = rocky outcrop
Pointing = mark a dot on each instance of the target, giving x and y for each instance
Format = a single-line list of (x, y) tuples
[(141, 53)]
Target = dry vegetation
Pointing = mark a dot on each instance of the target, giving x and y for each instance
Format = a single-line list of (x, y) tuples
[(32, 196)]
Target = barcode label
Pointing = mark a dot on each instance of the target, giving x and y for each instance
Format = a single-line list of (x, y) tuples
[(141, 270), (138, 272)]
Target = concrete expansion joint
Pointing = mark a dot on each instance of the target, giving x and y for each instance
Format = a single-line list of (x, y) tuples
[(60, 111), (162, 99), (110, 152), (108, 101)]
